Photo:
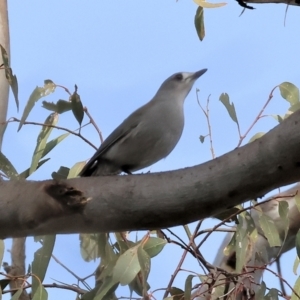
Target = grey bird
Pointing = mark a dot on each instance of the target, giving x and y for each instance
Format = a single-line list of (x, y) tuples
[(149, 134)]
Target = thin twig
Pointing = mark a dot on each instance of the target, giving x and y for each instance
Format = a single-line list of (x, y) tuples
[(93, 123), (258, 117), (13, 119)]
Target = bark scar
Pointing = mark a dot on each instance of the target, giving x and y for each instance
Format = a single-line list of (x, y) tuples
[(67, 195)]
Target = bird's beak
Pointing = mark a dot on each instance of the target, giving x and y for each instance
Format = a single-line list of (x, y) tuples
[(197, 74)]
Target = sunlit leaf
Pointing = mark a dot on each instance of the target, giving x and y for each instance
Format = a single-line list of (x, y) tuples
[(2, 247), (52, 119), (204, 4), (74, 171), (270, 230), (40, 293), (296, 289), (37, 94), (154, 246), (224, 98), (188, 287), (256, 136), (289, 92), (296, 264), (6, 167), (127, 266), (26, 173), (283, 209)]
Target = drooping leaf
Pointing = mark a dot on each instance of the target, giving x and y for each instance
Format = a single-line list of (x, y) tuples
[(283, 209), (199, 23), (241, 245), (154, 246), (12, 79), (52, 119), (202, 138), (6, 167), (289, 92), (127, 266), (88, 246), (270, 230), (278, 118), (205, 4), (188, 287), (37, 94), (41, 261), (77, 107), (298, 243), (60, 106), (224, 98), (4, 283)]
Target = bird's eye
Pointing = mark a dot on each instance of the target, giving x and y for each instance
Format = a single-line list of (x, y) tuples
[(178, 77)]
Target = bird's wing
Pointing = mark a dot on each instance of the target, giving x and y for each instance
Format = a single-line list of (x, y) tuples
[(121, 131)]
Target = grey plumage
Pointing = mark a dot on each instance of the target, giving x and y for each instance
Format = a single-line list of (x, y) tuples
[(148, 134)]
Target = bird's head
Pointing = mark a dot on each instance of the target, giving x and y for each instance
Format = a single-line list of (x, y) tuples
[(178, 85)]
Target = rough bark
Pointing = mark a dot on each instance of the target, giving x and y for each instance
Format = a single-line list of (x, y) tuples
[(120, 203)]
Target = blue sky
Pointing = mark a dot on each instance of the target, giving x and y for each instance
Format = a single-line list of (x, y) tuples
[(118, 53)]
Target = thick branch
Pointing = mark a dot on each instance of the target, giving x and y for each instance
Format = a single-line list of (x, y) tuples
[(159, 200)]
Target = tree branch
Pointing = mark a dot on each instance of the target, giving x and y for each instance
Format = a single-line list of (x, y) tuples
[(150, 201)]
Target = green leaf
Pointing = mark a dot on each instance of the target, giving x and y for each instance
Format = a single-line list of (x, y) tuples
[(41, 261), (256, 136), (296, 264), (296, 289), (77, 107), (60, 106), (109, 286), (204, 4), (289, 92), (26, 173), (241, 244), (74, 171), (145, 264), (261, 291), (224, 98), (6, 167), (53, 143), (272, 295), (188, 287), (42, 140), (37, 94), (62, 173), (88, 246), (4, 283), (199, 23), (176, 293), (127, 266), (283, 209), (154, 246), (202, 138), (270, 230), (40, 294), (12, 79), (17, 294)]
